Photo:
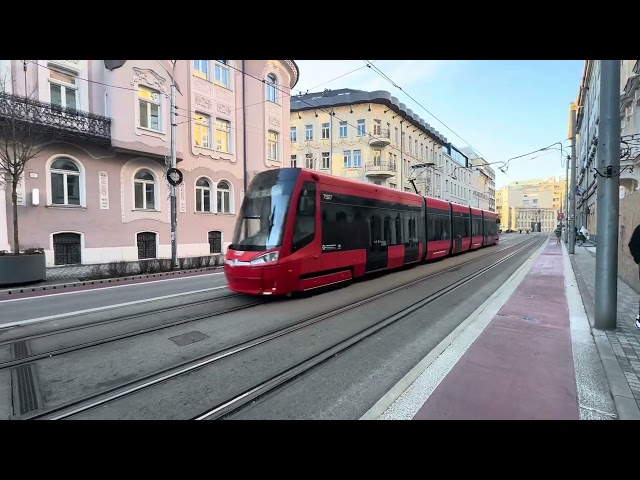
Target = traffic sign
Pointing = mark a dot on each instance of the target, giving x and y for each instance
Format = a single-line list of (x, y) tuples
[(174, 177)]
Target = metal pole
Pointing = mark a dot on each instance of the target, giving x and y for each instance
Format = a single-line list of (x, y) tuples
[(571, 213), (174, 220), (608, 204), (565, 207)]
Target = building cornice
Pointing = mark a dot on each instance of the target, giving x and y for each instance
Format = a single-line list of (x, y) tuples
[(303, 102)]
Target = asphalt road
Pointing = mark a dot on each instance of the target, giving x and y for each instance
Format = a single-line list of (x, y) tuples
[(79, 374), (51, 306)]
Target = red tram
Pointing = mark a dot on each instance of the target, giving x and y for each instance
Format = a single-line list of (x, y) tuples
[(299, 229)]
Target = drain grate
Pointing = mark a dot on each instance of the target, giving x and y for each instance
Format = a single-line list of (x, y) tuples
[(188, 338), (26, 389), (27, 395), (20, 350)]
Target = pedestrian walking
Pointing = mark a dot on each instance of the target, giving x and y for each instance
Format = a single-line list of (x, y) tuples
[(634, 249), (558, 234)]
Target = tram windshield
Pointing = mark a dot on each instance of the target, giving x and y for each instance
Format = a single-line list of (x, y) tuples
[(262, 218)]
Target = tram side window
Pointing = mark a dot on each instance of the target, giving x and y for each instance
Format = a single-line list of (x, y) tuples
[(304, 228)]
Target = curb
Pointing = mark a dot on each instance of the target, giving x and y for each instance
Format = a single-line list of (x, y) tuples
[(620, 391), (59, 286)]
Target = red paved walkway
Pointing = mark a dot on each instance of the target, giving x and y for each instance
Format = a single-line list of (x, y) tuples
[(521, 365)]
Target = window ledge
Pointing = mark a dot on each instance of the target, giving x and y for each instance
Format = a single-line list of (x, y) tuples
[(66, 207), (145, 210)]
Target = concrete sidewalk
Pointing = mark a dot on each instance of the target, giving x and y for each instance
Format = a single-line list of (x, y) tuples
[(527, 353), (619, 348)]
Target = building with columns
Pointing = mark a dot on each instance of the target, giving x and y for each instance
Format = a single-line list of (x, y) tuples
[(99, 194)]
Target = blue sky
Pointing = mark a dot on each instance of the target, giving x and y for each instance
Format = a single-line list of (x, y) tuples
[(501, 108)]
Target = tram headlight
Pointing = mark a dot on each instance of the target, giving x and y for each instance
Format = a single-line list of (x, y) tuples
[(266, 258)]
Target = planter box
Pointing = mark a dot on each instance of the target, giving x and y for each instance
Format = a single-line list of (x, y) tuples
[(16, 269)]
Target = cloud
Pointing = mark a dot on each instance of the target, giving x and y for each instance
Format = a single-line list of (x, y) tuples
[(406, 73)]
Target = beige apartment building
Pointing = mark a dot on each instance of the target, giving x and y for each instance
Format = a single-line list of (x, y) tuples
[(368, 136)]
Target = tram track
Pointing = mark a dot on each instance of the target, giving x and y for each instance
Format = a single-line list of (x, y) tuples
[(76, 407), (24, 358)]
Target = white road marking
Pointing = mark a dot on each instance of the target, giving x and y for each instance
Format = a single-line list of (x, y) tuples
[(107, 288), (105, 307), (404, 400)]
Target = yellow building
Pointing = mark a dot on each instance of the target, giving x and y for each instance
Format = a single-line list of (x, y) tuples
[(533, 204), (368, 136)]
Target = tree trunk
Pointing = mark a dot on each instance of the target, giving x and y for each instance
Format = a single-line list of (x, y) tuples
[(14, 197)]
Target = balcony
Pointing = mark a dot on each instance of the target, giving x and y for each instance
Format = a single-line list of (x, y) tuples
[(381, 169), (380, 139), (58, 122)]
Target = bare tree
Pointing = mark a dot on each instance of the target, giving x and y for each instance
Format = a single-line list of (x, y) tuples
[(23, 136)]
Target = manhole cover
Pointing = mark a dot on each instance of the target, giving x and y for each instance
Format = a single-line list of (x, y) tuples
[(530, 319), (188, 338)]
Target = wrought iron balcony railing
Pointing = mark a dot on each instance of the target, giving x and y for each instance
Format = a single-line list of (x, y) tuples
[(381, 166), (64, 123)]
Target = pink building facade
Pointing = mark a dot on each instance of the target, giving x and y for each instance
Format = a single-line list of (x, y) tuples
[(100, 194)]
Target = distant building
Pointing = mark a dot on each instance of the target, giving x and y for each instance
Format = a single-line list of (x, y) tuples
[(534, 204)]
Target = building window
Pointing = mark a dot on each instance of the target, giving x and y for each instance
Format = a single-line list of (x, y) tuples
[(66, 249), (377, 157), (377, 127), (357, 158), (294, 161), (203, 130), (145, 190), (310, 161), (325, 131), (343, 129), (223, 136), (309, 132), (146, 245), (346, 155), (272, 91), (222, 73), (65, 182), (392, 185), (215, 242), (326, 161), (416, 148), (361, 128), (203, 195), (294, 134), (224, 196), (272, 150), (396, 135), (63, 90), (149, 102), (201, 69)]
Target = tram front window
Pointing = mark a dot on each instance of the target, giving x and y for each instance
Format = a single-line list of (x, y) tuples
[(262, 218)]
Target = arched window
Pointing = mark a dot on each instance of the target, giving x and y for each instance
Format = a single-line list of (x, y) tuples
[(145, 190), (203, 195), (272, 91), (65, 182), (224, 197)]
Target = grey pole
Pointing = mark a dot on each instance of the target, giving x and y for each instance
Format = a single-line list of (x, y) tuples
[(565, 207), (607, 196), (571, 213), (174, 219)]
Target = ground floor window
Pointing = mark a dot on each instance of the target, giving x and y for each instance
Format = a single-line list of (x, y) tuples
[(215, 242), (147, 245), (66, 249)]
